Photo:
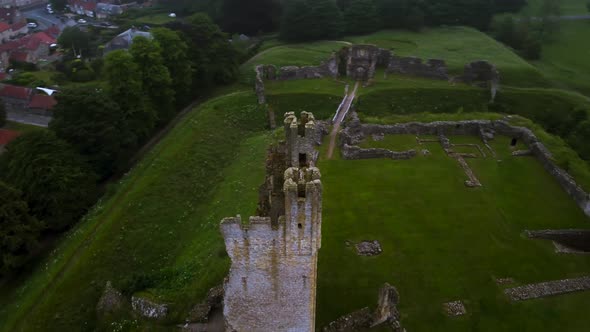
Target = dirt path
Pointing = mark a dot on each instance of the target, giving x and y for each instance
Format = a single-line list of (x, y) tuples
[(340, 115)]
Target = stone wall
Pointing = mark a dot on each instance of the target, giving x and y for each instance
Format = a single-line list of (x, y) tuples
[(362, 61), (353, 152), (432, 68), (272, 280), (355, 132), (328, 68)]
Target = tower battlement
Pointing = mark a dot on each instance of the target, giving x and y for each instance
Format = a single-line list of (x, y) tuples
[(272, 280), (300, 139)]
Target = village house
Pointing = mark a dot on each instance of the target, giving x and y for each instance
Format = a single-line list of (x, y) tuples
[(15, 98), (22, 3), (7, 136), (125, 39), (11, 15), (42, 105), (30, 48), (82, 7), (23, 102)]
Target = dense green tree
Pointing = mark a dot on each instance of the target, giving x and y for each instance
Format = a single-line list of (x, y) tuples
[(360, 17), (532, 47), (250, 17), (588, 6), (95, 126), (2, 114), (19, 231), (549, 24), (125, 87), (326, 19), (579, 138), (175, 56), (414, 19), (310, 20), (58, 4), (475, 13), (214, 58), (295, 19), (512, 6), (155, 78), (56, 183), (393, 13), (74, 40)]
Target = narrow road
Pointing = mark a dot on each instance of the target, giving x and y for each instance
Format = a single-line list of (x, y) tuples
[(340, 115)]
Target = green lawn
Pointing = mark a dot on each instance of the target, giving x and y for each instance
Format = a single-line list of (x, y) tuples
[(23, 128), (443, 241), (565, 58), (456, 45), (160, 222)]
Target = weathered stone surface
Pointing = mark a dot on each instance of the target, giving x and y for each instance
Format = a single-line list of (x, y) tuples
[(378, 137), (362, 61), (368, 248), (480, 71), (328, 68), (272, 280), (386, 305), (355, 132), (520, 153), (425, 152), (148, 308), (200, 313), (575, 239), (504, 281), (549, 288), (455, 308), (433, 68), (355, 321), (110, 301), (354, 153)]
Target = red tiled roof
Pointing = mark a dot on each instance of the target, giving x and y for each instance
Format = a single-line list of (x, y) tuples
[(53, 32), (90, 6), (19, 56), (43, 102), (4, 27), (16, 92), (6, 136), (18, 25)]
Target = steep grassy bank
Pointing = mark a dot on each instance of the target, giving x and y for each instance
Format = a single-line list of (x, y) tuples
[(160, 223)]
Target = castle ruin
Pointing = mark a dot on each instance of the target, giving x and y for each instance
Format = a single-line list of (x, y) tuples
[(272, 281)]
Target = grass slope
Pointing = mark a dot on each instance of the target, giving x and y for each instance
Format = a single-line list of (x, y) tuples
[(456, 45), (565, 58), (444, 242), (161, 222)]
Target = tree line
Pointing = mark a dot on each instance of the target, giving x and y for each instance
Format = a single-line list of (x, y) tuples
[(50, 178)]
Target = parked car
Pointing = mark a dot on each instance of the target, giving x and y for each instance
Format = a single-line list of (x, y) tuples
[(172, 15), (82, 21), (32, 25)]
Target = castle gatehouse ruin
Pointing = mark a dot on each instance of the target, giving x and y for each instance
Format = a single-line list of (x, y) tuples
[(272, 281)]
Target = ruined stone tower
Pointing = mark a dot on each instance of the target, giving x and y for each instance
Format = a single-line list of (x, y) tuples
[(300, 139), (272, 281)]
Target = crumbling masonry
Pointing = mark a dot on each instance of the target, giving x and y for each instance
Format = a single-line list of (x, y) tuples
[(272, 281)]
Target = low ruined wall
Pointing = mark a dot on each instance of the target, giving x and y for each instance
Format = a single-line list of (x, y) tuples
[(328, 68), (355, 132), (433, 68), (353, 152)]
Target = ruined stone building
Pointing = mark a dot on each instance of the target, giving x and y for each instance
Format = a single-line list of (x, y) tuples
[(272, 281)]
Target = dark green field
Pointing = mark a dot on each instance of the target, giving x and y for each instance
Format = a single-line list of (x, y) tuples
[(443, 241)]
